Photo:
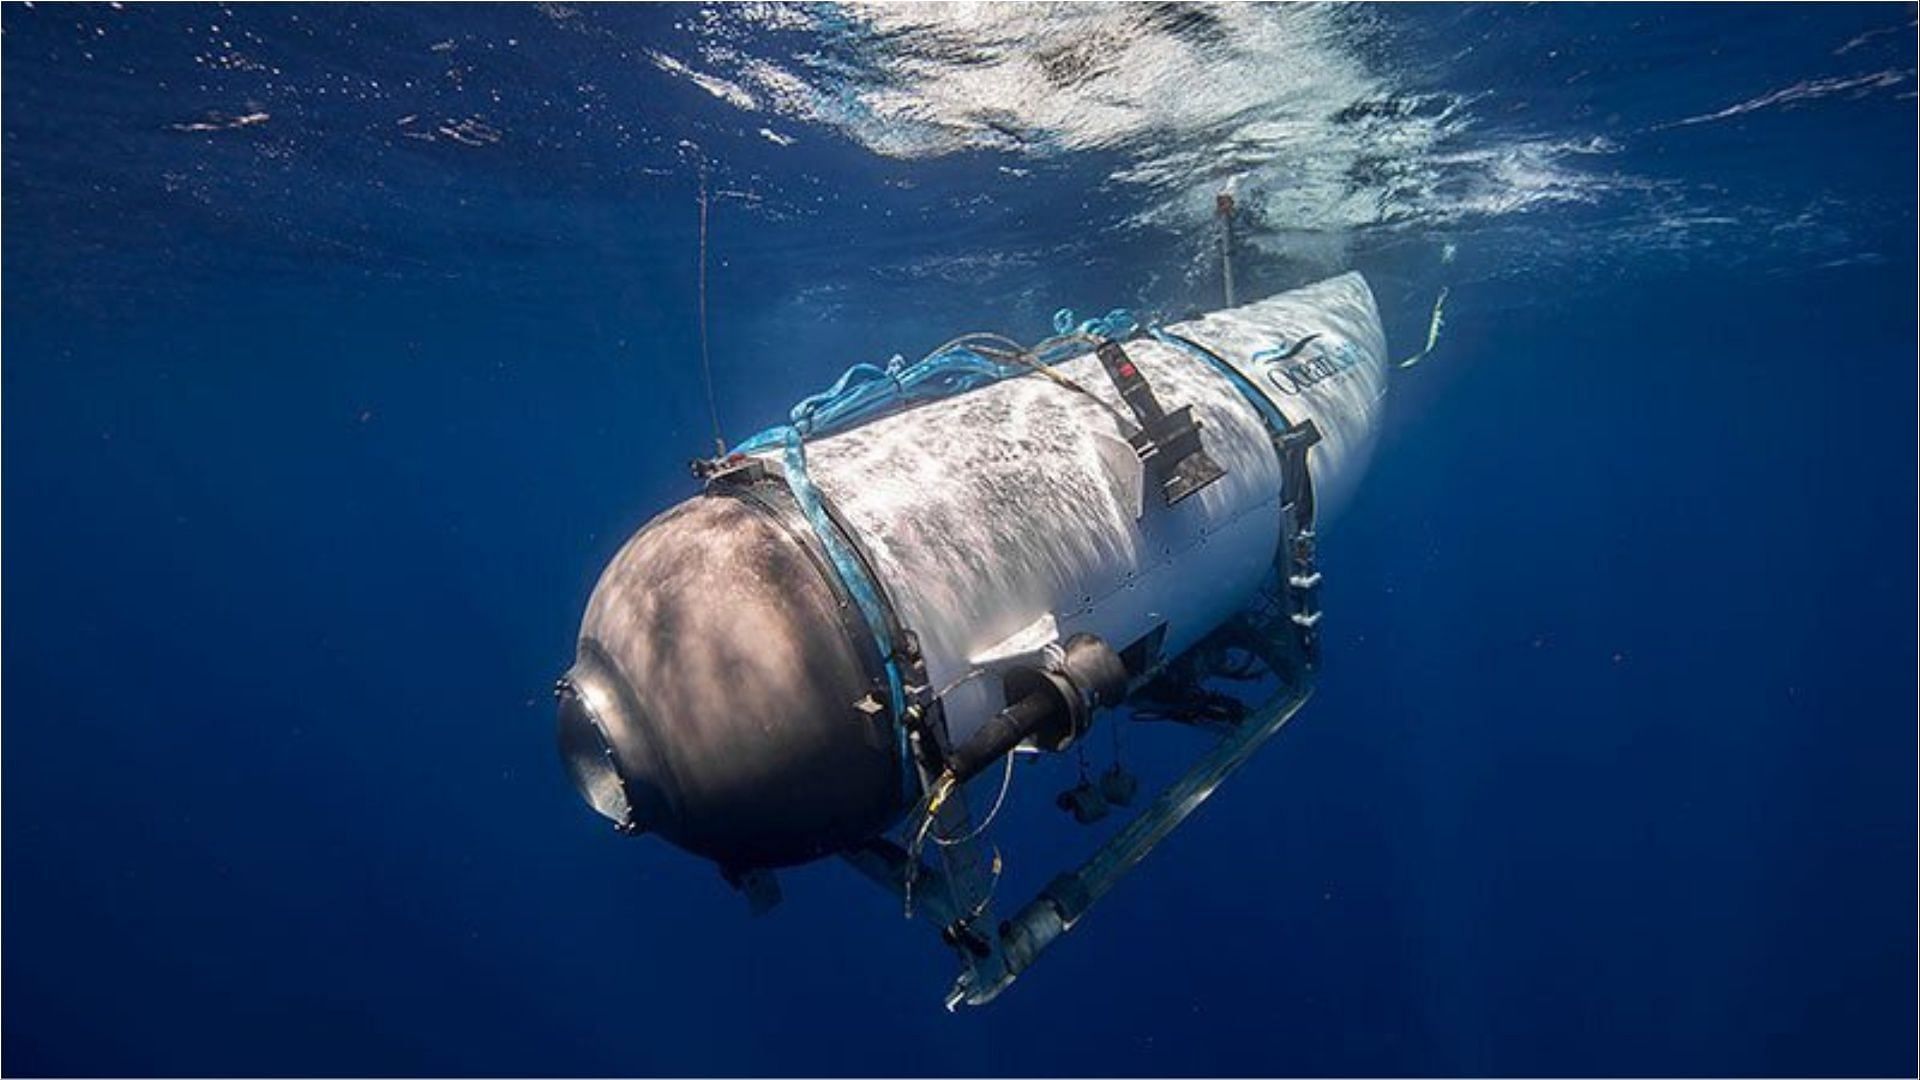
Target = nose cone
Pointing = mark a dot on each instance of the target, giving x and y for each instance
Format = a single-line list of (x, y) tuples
[(716, 697), (591, 709)]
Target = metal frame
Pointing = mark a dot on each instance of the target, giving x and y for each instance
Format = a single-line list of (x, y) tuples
[(992, 960), (957, 897)]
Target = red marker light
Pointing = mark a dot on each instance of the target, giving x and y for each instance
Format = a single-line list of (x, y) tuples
[(1126, 371)]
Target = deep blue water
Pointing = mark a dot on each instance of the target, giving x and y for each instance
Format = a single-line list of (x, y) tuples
[(343, 347)]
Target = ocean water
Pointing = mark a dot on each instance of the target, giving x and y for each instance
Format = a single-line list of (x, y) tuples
[(342, 346)]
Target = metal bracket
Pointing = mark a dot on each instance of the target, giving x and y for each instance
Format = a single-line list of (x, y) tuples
[(1168, 443), (733, 468)]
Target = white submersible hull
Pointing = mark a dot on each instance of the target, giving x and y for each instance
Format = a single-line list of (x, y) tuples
[(837, 634)]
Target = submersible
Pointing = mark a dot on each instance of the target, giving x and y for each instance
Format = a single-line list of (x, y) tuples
[(933, 566)]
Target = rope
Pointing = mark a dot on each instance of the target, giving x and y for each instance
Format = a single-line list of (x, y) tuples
[(868, 391), (992, 886), (1006, 782), (1028, 360), (706, 362), (943, 788)]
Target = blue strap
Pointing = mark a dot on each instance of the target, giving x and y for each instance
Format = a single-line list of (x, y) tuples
[(1276, 423), (853, 574), (866, 392)]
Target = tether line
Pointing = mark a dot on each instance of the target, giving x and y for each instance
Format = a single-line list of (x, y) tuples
[(706, 360)]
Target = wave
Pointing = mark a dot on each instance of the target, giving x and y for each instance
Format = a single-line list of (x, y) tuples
[(1281, 102), (1334, 127)]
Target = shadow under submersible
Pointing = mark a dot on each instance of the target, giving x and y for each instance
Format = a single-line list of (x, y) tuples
[(937, 565)]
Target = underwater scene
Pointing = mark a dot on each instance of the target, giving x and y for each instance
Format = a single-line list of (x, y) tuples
[(1138, 539)]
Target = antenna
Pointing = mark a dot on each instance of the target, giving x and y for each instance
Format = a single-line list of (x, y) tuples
[(1223, 209)]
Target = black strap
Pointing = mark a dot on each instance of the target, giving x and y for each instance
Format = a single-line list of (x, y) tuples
[(1168, 442), (1297, 561)]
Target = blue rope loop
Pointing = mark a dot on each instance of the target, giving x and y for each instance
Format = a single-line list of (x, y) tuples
[(1116, 325), (866, 392)]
